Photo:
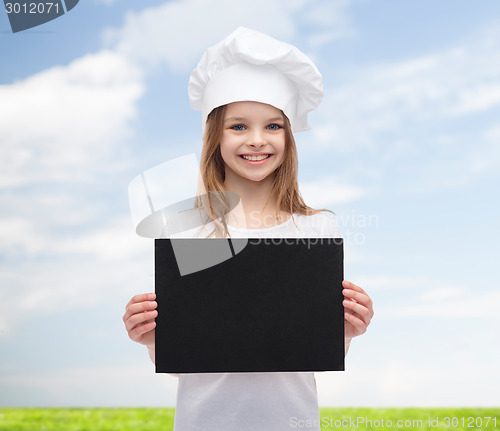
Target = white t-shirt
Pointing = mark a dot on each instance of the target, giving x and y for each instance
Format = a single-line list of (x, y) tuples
[(253, 401)]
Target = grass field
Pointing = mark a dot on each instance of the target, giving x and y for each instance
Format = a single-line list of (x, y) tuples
[(162, 419)]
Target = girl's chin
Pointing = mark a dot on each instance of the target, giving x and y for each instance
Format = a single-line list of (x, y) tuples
[(256, 178), (253, 177)]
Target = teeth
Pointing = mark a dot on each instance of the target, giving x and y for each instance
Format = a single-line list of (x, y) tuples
[(255, 158)]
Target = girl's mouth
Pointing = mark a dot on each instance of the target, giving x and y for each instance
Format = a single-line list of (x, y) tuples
[(255, 160)]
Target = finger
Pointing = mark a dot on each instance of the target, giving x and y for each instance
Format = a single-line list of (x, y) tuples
[(139, 319), (351, 285), (139, 308), (142, 297), (141, 324), (133, 314), (359, 311), (357, 322), (140, 330), (362, 298)]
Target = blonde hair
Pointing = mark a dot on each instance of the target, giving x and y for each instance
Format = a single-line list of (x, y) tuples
[(217, 204)]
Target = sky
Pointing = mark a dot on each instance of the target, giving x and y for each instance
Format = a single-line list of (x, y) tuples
[(404, 148)]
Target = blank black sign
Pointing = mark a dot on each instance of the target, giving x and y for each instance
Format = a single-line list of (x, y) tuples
[(275, 306)]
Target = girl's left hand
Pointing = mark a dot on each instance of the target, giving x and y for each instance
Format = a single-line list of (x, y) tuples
[(358, 310)]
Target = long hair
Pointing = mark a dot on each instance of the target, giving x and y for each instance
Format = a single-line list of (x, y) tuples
[(216, 204)]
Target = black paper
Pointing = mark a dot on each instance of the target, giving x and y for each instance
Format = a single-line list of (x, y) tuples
[(276, 305)]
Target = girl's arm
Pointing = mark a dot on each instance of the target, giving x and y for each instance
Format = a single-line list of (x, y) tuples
[(347, 344), (151, 351)]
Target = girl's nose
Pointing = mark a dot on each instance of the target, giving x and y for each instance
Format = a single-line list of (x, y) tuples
[(257, 138)]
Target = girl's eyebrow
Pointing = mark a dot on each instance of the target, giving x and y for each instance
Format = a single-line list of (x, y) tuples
[(234, 119), (271, 120)]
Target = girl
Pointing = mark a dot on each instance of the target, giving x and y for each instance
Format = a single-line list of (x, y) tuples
[(254, 92)]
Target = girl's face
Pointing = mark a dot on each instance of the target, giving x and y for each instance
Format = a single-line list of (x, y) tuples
[(252, 130)]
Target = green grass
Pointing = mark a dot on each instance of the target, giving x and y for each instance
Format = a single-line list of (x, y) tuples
[(162, 419), (86, 419)]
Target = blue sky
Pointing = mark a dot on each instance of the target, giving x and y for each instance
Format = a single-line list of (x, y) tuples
[(406, 139)]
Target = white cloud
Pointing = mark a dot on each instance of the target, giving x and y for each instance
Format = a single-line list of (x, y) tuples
[(443, 293), (58, 122), (399, 382), (485, 159), (59, 129), (52, 265), (330, 191), (380, 97), (393, 282), (480, 98), (177, 32), (330, 19), (379, 110), (3, 327), (481, 305), (38, 291), (111, 386), (414, 296)]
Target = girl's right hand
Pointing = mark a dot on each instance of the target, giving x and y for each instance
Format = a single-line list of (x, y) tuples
[(139, 318)]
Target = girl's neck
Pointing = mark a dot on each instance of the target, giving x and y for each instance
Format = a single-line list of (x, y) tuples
[(257, 208)]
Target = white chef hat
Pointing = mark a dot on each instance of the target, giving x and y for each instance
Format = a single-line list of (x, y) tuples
[(249, 65)]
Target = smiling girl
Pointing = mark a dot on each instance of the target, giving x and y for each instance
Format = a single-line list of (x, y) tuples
[(254, 92)]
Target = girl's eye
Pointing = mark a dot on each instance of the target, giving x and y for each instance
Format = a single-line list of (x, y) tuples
[(273, 126), (238, 127)]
